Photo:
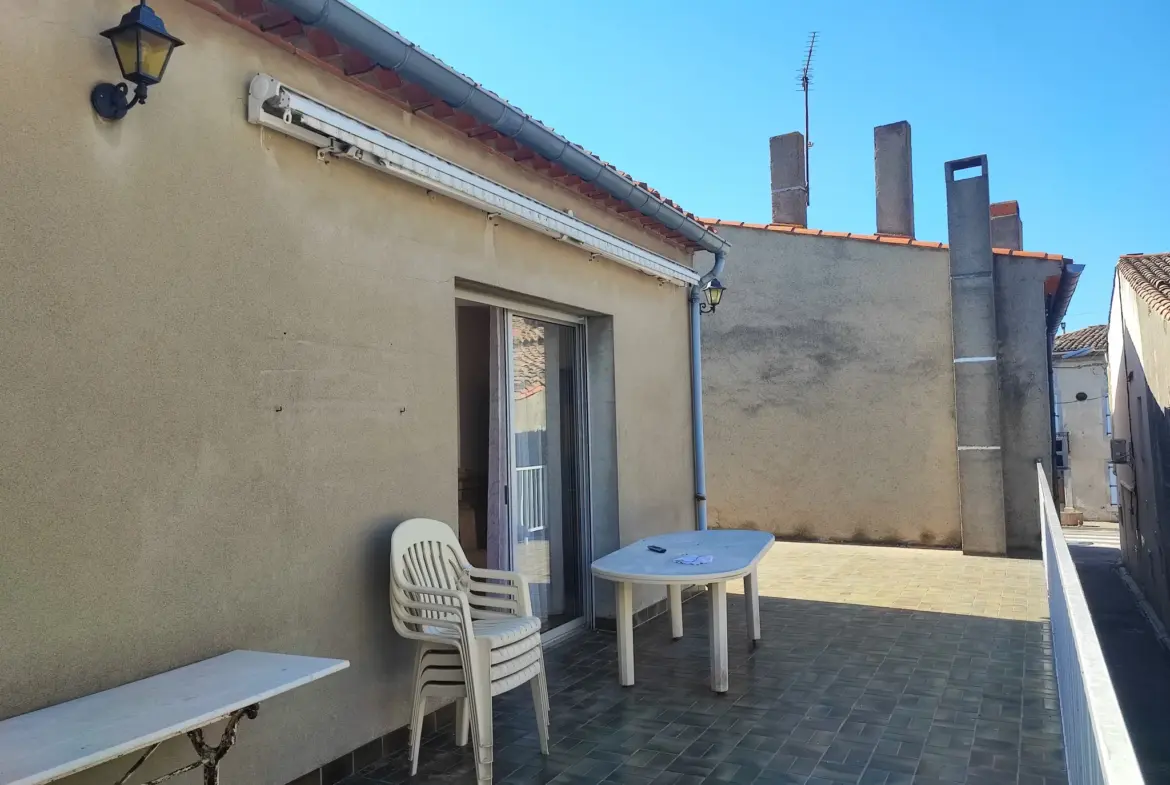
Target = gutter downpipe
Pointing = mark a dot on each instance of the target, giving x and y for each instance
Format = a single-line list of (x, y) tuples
[(695, 297), (1053, 326)]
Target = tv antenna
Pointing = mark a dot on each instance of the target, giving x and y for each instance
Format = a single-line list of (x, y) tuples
[(805, 83)]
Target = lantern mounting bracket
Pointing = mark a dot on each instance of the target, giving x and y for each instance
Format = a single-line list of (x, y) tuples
[(110, 101)]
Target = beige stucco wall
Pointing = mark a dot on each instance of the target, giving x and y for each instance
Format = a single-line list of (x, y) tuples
[(1139, 344), (1086, 486), (828, 389), (230, 369)]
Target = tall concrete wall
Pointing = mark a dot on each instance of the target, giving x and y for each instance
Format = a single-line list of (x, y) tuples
[(230, 370), (1025, 398), (828, 393), (1086, 481), (831, 352)]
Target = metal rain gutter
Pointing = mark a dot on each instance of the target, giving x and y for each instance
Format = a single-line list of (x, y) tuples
[(390, 50), (1070, 273), (1067, 284)]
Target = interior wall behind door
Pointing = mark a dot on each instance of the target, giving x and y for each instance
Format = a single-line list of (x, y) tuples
[(473, 348)]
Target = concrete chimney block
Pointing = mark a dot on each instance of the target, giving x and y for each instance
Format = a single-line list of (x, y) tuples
[(974, 334), (894, 179), (789, 193), (1007, 230)]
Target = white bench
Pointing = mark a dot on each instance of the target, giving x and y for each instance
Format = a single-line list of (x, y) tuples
[(734, 553), (46, 745)]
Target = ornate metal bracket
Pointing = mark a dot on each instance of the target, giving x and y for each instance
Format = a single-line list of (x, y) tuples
[(209, 756)]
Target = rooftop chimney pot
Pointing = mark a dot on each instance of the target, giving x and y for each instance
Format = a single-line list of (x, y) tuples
[(1007, 230), (894, 179), (789, 190)]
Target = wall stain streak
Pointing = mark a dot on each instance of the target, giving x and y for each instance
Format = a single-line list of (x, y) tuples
[(800, 357)]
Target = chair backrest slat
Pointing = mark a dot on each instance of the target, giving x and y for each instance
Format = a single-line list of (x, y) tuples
[(427, 554)]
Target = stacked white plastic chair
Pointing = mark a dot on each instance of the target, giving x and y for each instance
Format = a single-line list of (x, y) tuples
[(476, 632)]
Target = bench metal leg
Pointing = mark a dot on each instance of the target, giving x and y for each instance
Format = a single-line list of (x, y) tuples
[(209, 756), (149, 751)]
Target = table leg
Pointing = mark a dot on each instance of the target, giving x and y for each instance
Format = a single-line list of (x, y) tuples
[(625, 633), (751, 599), (719, 665), (676, 621)]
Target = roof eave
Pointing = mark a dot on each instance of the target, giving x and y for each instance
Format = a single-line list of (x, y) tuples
[(388, 50)]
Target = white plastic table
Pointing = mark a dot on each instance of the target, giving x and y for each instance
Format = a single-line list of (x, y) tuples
[(735, 555), (46, 745)]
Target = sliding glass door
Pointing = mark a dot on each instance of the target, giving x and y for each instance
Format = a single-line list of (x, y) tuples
[(546, 498)]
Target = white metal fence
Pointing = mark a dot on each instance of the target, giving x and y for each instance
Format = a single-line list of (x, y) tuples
[(1097, 747)]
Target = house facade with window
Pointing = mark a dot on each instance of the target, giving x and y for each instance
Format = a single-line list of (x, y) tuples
[(1139, 392), (1085, 472), (302, 294)]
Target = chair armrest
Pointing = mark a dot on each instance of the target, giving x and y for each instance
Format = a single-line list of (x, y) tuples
[(409, 612), (513, 578), (514, 584)]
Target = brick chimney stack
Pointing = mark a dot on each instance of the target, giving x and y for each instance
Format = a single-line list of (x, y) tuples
[(1007, 230)]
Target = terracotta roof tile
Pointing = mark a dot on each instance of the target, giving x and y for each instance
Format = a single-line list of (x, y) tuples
[(1149, 275), (1000, 209), (713, 223), (528, 363), (1095, 338)]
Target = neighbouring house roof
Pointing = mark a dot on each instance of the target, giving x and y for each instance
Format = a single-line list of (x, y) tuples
[(279, 26), (889, 239), (1094, 339), (1149, 275), (1058, 289), (528, 360)]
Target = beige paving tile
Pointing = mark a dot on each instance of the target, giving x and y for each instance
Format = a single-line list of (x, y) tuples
[(907, 578)]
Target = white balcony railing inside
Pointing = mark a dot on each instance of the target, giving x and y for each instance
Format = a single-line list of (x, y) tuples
[(531, 501), (1097, 746)]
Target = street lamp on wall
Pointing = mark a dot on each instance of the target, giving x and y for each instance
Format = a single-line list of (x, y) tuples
[(143, 48), (713, 293)]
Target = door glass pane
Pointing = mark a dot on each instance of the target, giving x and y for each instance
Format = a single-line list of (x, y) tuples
[(545, 500)]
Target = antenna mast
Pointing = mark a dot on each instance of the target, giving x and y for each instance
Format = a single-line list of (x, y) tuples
[(805, 81)]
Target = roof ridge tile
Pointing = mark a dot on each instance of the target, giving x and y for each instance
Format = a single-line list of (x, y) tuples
[(891, 239)]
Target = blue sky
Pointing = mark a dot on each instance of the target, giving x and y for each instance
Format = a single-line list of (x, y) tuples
[(1070, 101)]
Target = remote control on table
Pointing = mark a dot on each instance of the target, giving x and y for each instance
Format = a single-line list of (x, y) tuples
[(656, 548)]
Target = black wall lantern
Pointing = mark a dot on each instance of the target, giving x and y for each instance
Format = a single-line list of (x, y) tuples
[(143, 48), (713, 292)]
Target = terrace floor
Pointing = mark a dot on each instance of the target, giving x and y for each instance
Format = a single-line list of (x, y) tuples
[(878, 666)]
